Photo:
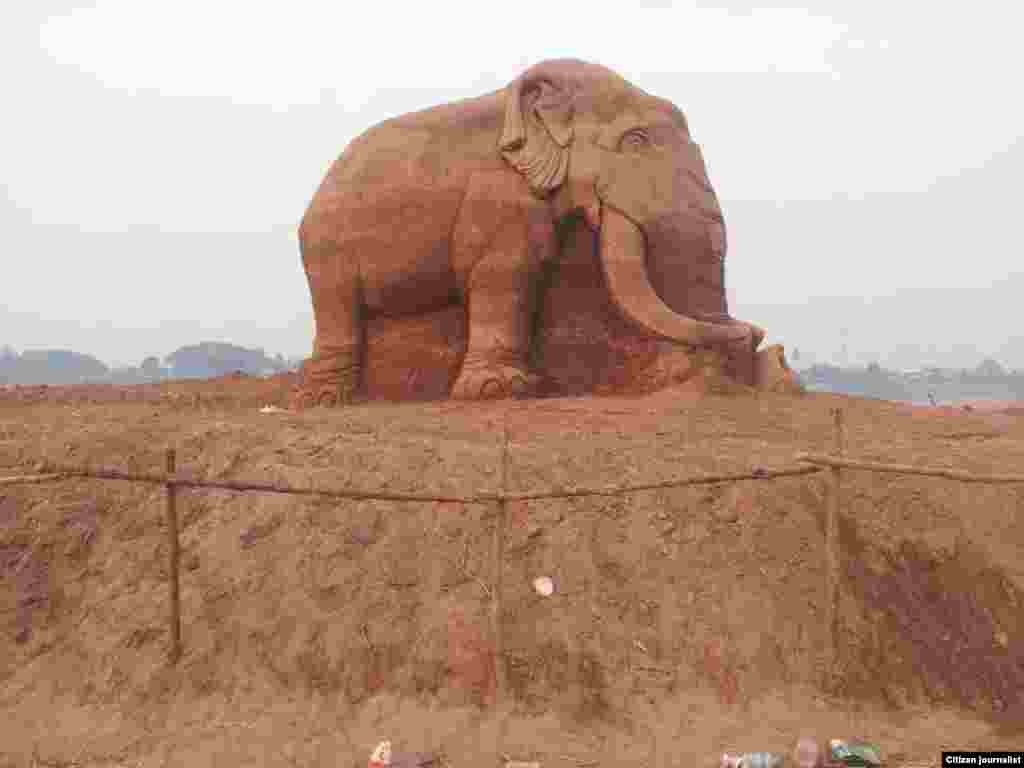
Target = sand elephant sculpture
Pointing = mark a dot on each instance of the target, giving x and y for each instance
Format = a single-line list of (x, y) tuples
[(463, 203)]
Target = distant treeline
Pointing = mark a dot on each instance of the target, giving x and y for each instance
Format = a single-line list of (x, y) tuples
[(208, 359), (204, 360), (988, 381)]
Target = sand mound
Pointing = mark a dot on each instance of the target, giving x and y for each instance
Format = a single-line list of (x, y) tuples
[(683, 622)]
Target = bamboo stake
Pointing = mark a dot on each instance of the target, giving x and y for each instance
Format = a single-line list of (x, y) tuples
[(497, 605), (832, 553), (906, 469), (172, 541), (497, 562)]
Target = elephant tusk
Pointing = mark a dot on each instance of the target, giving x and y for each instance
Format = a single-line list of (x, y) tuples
[(622, 251)]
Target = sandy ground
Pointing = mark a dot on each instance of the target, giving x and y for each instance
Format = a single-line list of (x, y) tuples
[(684, 622)]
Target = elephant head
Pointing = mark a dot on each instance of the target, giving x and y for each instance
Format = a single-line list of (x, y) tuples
[(590, 141)]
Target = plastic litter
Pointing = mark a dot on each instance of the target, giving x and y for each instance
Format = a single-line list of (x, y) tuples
[(753, 760), (855, 753), (761, 760), (544, 586), (272, 409), (807, 753), (413, 759), (384, 757), (381, 756)]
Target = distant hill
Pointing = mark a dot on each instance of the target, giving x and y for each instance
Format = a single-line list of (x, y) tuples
[(50, 366), (214, 358), (203, 360)]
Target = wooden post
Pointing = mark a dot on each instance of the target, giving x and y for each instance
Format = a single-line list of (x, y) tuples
[(832, 553), (497, 561), (500, 723), (174, 652)]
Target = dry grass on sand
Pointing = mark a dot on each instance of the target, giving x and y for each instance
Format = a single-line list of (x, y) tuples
[(684, 622)]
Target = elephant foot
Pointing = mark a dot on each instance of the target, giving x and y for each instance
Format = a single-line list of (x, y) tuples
[(328, 397), (494, 382), (305, 399), (325, 397), (677, 367), (328, 383)]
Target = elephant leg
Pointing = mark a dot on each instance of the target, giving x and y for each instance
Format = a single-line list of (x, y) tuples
[(333, 374), (499, 303), (500, 242)]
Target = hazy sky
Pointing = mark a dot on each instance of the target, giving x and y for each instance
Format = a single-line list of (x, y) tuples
[(157, 157)]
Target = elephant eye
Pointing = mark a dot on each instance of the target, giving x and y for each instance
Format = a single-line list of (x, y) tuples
[(541, 91), (634, 139)]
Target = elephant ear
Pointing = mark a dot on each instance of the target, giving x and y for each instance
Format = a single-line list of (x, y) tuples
[(538, 131)]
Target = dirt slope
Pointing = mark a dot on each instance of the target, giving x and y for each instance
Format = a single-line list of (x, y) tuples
[(684, 621)]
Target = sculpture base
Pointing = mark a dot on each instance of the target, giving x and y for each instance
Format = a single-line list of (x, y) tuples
[(396, 371)]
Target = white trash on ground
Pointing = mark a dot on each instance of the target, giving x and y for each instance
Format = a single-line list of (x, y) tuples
[(752, 760), (854, 752), (381, 757), (544, 586), (807, 753), (384, 757)]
